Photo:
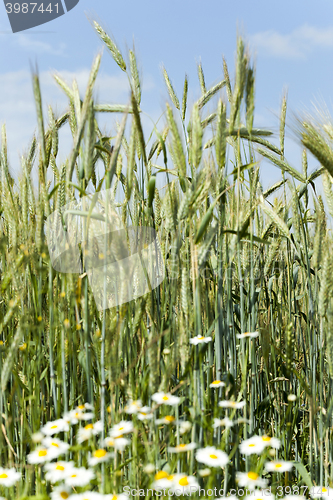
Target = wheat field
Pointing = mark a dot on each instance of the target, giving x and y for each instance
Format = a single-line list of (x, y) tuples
[(218, 381)]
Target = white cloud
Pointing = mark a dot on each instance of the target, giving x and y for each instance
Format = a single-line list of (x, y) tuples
[(295, 45), (30, 44)]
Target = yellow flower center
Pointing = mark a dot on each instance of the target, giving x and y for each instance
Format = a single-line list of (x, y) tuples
[(42, 453), (266, 438), (252, 475), (165, 398), (60, 467), (89, 426), (121, 429), (183, 481), (114, 497), (3, 476), (213, 456), (324, 490), (81, 407), (161, 475), (74, 475), (54, 427), (100, 453), (251, 445), (169, 418), (181, 446), (201, 338), (277, 466), (64, 495), (216, 382), (54, 444)]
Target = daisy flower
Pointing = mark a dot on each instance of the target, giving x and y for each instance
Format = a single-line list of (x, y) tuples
[(145, 413), (200, 340), (252, 445), (57, 446), (58, 471), (321, 492), (8, 477), (54, 427), (162, 480), (162, 398), (41, 455), (124, 427), (232, 404), (270, 441), (226, 422), (99, 456), (212, 457), (167, 420), (250, 480), (85, 406), (60, 493), (117, 443), (76, 415), (88, 431), (79, 476), (184, 484), (278, 466), (133, 407), (217, 383), (246, 335), (182, 447)]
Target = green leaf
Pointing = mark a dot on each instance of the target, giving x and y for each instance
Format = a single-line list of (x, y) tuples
[(304, 473)]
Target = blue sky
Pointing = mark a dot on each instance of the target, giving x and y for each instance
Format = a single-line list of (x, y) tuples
[(291, 41)]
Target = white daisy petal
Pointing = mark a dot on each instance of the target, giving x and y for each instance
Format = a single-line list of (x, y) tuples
[(165, 398), (60, 425), (250, 480), (212, 456), (8, 477), (200, 340), (278, 466), (124, 427), (99, 456)]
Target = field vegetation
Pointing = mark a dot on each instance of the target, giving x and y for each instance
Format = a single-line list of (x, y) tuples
[(220, 377)]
